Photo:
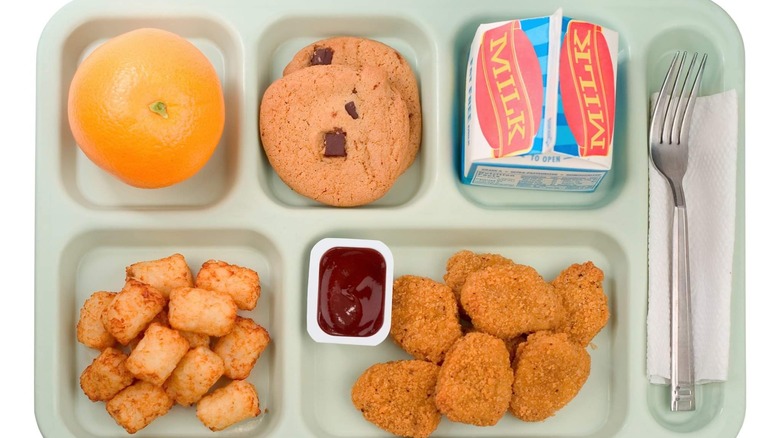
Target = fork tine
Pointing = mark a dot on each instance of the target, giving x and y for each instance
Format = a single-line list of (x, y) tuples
[(664, 97), (679, 112), (668, 121), (685, 124)]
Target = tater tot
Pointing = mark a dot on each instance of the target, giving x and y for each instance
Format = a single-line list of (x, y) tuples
[(196, 339), (201, 311), (157, 354), (162, 274), (243, 284), (240, 348), (228, 405), (90, 330), (138, 405), (106, 375), (197, 371), (161, 318), (132, 310)]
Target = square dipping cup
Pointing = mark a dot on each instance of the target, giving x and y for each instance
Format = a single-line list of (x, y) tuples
[(356, 256)]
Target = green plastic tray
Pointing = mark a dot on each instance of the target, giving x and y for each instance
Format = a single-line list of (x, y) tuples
[(89, 226)]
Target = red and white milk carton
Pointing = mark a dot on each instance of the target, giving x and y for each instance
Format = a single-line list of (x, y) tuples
[(540, 104)]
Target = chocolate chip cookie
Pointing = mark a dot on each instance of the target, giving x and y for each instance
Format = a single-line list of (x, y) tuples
[(361, 52), (336, 134)]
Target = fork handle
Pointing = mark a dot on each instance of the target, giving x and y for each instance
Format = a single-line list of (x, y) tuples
[(682, 385)]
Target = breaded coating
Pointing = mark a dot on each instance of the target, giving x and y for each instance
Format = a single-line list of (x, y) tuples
[(549, 372), (229, 405), (201, 311), (157, 354), (131, 310), (89, 329), (243, 284), (195, 374), (241, 348), (475, 381), (162, 274), (509, 300), (424, 319), (463, 263), (106, 375), (511, 345), (584, 302), (138, 405), (398, 397)]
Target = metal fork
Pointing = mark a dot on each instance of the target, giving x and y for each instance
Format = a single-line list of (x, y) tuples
[(669, 127)]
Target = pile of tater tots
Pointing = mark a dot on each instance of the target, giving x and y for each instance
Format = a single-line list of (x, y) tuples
[(168, 337), (493, 337)]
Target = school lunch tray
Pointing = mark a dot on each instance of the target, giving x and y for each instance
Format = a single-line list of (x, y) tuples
[(89, 226)]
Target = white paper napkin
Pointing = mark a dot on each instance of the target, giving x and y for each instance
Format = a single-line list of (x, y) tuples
[(710, 194)]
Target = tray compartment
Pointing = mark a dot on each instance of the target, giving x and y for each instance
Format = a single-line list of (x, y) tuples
[(492, 197), (95, 261), (710, 398), (692, 39), (599, 409), (286, 36), (96, 189)]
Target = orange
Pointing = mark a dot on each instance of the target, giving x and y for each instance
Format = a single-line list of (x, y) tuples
[(147, 107)]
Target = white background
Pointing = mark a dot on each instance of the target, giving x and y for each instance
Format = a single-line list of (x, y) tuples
[(20, 25)]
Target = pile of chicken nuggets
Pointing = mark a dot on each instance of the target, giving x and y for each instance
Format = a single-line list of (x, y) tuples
[(168, 337), (493, 337)]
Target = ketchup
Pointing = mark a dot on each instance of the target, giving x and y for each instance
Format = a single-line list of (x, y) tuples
[(351, 291)]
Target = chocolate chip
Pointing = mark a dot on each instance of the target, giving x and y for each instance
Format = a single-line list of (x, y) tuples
[(322, 56), (335, 143), (351, 110)]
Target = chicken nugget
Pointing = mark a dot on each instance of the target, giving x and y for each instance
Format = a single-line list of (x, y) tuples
[(89, 329), (131, 310), (511, 345), (424, 319), (162, 274), (463, 263), (157, 354), (584, 301), (241, 348), (509, 300), (475, 381), (195, 374), (138, 405), (204, 311), (243, 284), (228, 405), (398, 397), (549, 372), (106, 375)]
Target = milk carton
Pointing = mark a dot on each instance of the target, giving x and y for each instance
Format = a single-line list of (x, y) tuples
[(540, 104)]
